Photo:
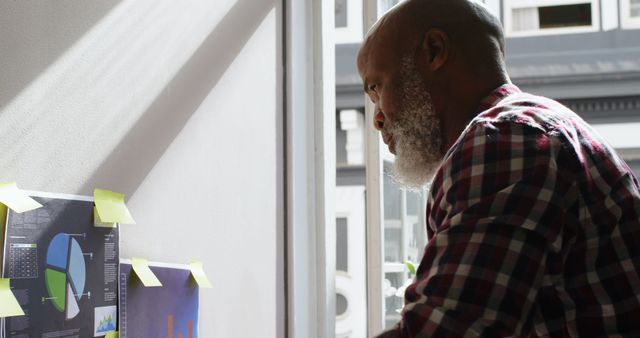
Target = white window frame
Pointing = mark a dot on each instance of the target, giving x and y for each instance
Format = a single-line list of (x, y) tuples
[(310, 167), (510, 5), (375, 208), (628, 22)]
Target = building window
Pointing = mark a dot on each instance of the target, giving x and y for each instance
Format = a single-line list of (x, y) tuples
[(543, 17), (578, 15), (348, 21), (341, 13), (630, 14), (634, 9)]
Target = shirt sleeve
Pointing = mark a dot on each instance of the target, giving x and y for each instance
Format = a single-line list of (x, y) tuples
[(496, 213)]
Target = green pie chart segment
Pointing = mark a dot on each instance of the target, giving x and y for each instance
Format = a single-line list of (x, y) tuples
[(56, 282)]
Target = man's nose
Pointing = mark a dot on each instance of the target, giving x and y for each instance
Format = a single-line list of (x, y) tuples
[(378, 120)]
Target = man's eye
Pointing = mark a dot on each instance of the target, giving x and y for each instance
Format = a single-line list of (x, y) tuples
[(373, 88)]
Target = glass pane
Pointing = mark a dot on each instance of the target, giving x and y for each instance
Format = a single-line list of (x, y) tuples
[(414, 203), (385, 5), (393, 298), (404, 240), (392, 241), (391, 198)]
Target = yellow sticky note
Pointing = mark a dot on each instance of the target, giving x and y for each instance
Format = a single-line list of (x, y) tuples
[(3, 216), (111, 207), (3, 225), (112, 334), (99, 223), (197, 271), (16, 199), (141, 267), (9, 306)]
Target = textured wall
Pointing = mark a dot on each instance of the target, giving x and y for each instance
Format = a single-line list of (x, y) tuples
[(173, 103)]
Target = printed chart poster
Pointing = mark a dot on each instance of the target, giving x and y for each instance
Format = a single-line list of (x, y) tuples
[(169, 311), (63, 270)]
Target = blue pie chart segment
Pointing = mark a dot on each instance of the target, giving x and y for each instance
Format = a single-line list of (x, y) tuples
[(77, 269), (58, 250)]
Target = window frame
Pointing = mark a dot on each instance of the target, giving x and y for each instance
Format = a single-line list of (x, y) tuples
[(310, 169), (627, 21), (510, 5), (374, 206)]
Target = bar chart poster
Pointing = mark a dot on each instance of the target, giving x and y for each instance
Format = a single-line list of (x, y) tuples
[(169, 311), (63, 270)]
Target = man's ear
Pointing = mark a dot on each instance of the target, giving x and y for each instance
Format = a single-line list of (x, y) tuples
[(435, 49)]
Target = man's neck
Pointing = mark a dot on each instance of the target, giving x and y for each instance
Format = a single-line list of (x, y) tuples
[(463, 107)]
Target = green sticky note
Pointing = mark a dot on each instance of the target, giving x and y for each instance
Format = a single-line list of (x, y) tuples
[(111, 207), (16, 199), (197, 271), (141, 268), (99, 223), (9, 306), (112, 334)]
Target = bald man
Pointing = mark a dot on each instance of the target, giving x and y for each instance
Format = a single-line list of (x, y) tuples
[(533, 219)]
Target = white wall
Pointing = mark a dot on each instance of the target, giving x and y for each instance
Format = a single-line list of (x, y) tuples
[(176, 104)]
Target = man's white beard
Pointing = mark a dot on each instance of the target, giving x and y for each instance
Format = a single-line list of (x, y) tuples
[(416, 132)]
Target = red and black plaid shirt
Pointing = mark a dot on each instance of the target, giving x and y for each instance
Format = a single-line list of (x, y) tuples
[(534, 228)]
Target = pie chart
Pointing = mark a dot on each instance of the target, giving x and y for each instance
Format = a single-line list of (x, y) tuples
[(65, 274)]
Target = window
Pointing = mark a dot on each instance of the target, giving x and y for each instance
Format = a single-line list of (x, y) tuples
[(630, 14), (385, 5), (404, 241), (348, 21), (565, 16), (493, 6), (530, 18)]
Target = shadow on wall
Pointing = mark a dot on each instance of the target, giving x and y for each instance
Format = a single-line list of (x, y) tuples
[(136, 154), (40, 23)]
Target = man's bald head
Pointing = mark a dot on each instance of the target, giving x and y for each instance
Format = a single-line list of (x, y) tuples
[(475, 35)]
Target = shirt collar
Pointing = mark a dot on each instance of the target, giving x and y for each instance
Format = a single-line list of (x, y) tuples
[(487, 103), (497, 95)]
